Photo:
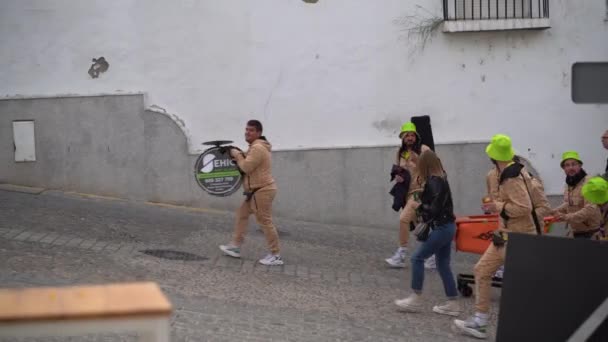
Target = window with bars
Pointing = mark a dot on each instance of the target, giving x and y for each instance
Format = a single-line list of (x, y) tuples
[(495, 9)]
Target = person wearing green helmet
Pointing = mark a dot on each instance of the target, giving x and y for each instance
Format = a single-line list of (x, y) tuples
[(514, 204), (537, 191), (596, 192), (581, 215), (406, 159)]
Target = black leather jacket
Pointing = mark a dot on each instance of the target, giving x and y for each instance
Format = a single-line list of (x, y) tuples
[(436, 206)]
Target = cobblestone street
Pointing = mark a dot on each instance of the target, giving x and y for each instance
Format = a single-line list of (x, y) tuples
[(333, 287)]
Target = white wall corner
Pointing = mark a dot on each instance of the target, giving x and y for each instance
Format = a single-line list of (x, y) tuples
[(178, 121)]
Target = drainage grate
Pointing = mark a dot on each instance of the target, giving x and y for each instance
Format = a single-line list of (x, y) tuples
[(173, 255)]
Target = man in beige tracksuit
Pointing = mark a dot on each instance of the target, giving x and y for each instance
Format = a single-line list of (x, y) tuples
[(582, 216), (407, 157), (595, 191), (260, 190), (537, 192), (514, 206)]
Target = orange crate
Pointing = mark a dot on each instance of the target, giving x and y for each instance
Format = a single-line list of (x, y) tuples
[(474, 233)]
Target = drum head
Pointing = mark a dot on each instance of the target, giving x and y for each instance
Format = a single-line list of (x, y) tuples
[(216, 172)]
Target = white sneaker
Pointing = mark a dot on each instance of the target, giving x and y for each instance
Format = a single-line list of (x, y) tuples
[(398, 259), (429, 263), (500, 272), (271, 260), (413, 303), (231, 250), (450, 308), (471, 327)]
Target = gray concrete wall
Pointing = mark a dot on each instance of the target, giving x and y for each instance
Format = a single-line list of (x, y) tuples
[(86, 144), (110, 145)]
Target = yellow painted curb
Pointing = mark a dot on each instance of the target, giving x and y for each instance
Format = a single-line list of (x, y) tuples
[(21, 188), (201, 210), (92, 196)]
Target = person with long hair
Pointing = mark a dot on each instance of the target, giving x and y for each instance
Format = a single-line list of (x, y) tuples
[(437, 210), (407, 155)]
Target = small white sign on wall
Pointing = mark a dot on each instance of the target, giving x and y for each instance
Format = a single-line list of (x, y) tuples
[(25, 142)]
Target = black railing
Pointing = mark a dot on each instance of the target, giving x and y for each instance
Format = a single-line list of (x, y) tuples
[(495, 9)]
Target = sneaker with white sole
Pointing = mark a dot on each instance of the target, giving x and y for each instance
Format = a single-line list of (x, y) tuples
[(450, 308), (272, 260), (429, 263), (413, 303), (231, 250), (500, 272), (398, 259), (471, 327)]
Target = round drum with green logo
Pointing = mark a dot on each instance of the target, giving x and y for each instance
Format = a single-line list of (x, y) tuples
[(217, 173)]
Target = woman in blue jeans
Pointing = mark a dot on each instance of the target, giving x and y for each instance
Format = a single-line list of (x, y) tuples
[(437, 209)]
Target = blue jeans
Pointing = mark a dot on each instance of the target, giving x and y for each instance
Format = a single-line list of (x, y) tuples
[(440, 244)]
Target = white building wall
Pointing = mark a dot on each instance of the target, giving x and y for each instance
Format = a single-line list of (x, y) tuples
[(337, 73)]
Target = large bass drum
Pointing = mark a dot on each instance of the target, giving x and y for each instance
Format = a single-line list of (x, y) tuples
[(216, 172)]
